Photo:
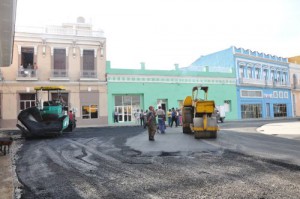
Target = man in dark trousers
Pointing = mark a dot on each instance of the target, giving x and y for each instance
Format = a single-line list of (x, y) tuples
[(174, 117), (151, 123)]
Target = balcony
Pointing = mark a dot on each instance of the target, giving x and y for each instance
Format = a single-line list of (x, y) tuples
[(58, 30), (59, 74), (295, 87), (27, 74), (88, 75), (262, 82), (257, 82)]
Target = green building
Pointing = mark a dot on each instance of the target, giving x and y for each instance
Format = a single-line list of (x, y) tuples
[(130, 90)]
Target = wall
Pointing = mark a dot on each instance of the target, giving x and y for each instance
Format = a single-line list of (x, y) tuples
[(171, 85)]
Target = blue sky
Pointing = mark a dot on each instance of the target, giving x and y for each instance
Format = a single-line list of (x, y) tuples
[(164, 32)]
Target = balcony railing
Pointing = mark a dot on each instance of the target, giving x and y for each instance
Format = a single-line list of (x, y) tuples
[(58, 30), (253, 81), (262, 82), (59, 73), (297, 86), (88, 74), (27, 74)]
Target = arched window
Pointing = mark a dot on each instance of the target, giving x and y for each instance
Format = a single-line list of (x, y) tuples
[(249, 72), (295, 80), (257, 73), (284, 78), (272, 77), (278, 77), (241, 71), (265, 74)]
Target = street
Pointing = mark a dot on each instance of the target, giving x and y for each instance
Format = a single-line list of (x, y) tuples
[(120, 162)]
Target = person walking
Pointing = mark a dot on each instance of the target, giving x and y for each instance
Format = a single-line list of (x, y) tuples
[(142, 121), (137, 117), (116, 116), (151, 123), (145, 118), (169, 114), (174, 117), (161, 115)]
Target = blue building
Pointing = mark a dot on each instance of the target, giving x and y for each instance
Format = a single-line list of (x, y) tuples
[(262, 81)]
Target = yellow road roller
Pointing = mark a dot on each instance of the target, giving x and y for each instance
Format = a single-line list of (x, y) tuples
[(199, 115)]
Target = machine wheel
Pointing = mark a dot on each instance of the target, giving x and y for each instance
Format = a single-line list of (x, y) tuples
[(205, 134), (186, 130), (213, 134), (187, 115), (187, 119)]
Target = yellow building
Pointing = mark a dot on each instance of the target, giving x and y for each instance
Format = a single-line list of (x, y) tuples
[(295, 83), (72, 55)]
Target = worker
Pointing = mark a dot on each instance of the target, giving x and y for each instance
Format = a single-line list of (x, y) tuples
[(151, 123), (161, 115), (71, 115)]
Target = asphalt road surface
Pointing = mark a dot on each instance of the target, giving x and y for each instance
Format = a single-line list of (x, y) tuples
[(101, 163)]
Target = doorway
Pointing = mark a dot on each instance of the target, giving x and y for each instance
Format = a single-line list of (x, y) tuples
[(163, 103)]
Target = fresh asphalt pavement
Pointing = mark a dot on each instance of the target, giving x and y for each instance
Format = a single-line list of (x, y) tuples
[(120, 162)]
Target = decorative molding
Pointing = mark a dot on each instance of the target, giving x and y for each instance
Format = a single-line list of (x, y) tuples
[(169, 80), (94, 49)]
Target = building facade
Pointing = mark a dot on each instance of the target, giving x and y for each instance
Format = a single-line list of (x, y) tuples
[(71, 55), (7, 28), (295, 84), (263, 87), (130, 90)]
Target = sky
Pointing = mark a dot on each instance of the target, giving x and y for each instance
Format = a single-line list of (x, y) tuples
[(162, 33)]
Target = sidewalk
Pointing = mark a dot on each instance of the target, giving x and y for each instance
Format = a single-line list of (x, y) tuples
[(6, 175), (290, 130)]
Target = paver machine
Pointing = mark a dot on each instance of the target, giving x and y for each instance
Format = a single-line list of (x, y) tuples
[(48, 117), (199, 115)]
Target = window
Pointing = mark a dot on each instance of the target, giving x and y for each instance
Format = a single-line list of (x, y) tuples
[(279, 110), (284, 78), (27, 100), (251, 111), (272, 75), (257, 73), (241, 70), (65, 97), (278, 76), (280, 94), (251, 93), (89, 111), (286, 95), (249, 72), (88, 60), (265, 74), (27, 57), (275, 94), (59, 57), (295, 80)]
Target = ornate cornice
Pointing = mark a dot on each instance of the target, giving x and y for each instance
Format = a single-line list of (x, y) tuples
[(169, 80)]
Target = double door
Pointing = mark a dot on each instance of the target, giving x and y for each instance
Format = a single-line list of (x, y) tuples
[(124, 113)]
